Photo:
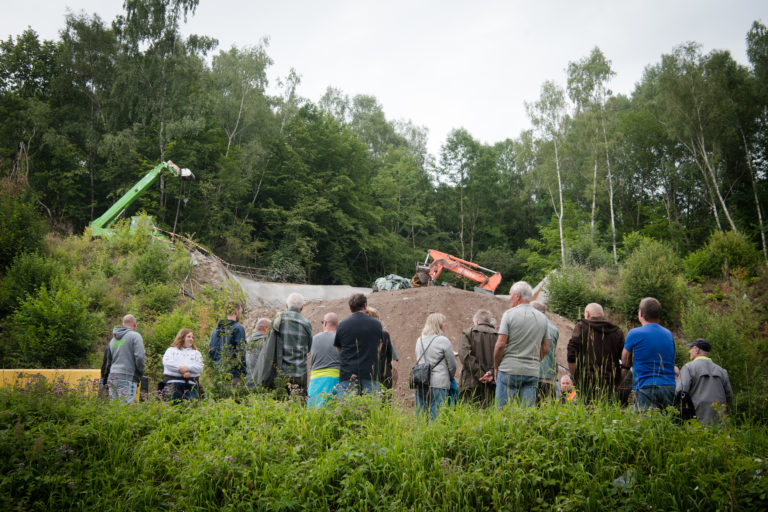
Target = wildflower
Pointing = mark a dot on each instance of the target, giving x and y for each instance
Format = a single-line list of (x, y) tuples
[(71, 483), (21, 465), (229, 458)]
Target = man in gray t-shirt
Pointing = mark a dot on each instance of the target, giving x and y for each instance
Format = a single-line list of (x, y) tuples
[(521, 345), (325, 363)]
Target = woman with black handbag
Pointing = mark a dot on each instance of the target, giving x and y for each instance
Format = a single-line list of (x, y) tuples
[(435, 349)]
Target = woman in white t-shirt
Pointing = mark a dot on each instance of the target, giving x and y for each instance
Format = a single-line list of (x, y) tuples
[(182, 366)]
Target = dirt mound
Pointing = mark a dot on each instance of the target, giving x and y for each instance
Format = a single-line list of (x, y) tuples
[(403, 313)]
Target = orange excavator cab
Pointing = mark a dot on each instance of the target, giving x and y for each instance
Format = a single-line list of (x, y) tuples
[(427, 274)]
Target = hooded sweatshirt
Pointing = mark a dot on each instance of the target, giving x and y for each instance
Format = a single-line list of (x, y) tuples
[(127, 350), (595, 346)]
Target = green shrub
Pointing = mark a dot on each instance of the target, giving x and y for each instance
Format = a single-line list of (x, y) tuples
[(151, 266), (103, 295), (586, 252), (125, 240), (738, 345), (630, 242), (27, 273), (724, 252), (570, 290), (652, 271), (697, 265), (54, 329), (22, 229), (158, 298)]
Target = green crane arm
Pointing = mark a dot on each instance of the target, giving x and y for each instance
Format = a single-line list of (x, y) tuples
[(100, 226)]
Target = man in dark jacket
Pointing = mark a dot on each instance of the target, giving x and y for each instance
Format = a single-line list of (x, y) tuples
[(358, 339), (594, 354), (123, 364), (227, 346), (476, 355)]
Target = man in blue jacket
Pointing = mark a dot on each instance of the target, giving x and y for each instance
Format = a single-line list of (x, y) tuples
[(227, 346)]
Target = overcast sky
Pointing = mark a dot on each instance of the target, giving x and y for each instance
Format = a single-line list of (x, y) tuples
[(442, 64)]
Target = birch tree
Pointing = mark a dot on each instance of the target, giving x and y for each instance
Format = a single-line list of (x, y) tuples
[(549, 117)]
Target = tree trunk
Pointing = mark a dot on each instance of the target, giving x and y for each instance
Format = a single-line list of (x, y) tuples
[(560, 215), (610, 189), (594, 189), (691, 147), (703, 150), (754, 191)]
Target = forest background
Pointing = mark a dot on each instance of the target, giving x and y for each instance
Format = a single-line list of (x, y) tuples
[(334, 192), (660, 193)]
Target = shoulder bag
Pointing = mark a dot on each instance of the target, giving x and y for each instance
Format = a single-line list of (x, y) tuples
[(421, 373)]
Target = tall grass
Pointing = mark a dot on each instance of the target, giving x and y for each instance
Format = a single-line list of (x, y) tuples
[(59, 450)]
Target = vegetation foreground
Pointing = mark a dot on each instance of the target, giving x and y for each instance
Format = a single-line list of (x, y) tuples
[(62, 450)]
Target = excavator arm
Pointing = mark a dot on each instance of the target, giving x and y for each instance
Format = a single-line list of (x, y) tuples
[(442, 261), (100, 226)]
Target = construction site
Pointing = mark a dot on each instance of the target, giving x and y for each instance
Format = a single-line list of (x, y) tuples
[(403, 312)]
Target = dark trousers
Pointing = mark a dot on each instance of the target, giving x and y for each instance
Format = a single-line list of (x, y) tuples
[(482, 395)]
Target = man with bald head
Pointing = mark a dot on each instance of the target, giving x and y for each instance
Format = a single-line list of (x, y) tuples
[(594, 354), (123, 364), (325, 361)]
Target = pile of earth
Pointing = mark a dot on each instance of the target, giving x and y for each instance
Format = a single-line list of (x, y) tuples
[(403, 313)]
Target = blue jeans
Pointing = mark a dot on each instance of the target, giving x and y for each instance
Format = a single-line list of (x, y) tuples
[(430, 398), (654, 396), (519, 388), (178, 391), (359, 387), (122, 389)]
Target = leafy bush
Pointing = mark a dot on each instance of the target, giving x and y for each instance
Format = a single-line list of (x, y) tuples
[(27, 273), (103, 295), (151, 266), (158, 298), (285, 268), (724, 252), (570, 291), (127, 240), (630, 242), (54, 329), (586, 252), (652, 271), (738, 345), (22, 229)]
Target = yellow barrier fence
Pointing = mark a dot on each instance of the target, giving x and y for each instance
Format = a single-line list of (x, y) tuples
[(88, 379)]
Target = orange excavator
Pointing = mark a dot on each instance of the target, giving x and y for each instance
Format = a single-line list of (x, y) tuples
[(427, 274)]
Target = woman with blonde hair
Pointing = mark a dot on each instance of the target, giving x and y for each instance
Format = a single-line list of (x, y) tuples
[(182, 366), (435, 348)]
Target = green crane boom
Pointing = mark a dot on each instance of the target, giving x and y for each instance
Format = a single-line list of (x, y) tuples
[(100, 226)]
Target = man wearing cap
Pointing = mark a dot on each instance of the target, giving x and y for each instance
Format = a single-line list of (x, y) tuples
[(706, 383)]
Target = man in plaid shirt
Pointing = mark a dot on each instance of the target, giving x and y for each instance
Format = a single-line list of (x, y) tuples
[(296, 334)]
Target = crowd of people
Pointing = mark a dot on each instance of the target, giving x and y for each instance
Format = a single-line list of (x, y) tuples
[(502, 363)]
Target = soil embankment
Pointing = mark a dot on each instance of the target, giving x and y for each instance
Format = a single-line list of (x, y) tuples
[(403, 312)]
